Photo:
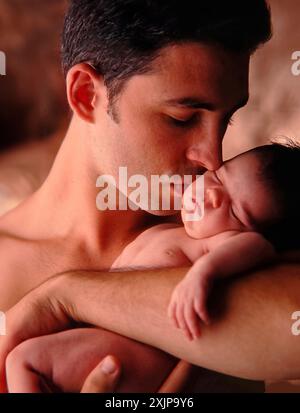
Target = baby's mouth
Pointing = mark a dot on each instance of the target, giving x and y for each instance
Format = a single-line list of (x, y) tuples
[(189, 205), (192, 205), (195, 214)]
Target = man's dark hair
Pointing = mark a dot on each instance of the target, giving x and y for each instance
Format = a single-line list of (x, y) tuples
[(280, 166), (121, 38)]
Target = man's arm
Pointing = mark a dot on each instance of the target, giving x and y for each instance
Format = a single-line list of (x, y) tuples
[(251, 334), (250, 338), (236, 253)]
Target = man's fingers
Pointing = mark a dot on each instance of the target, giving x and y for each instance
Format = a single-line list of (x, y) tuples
[(104, 378), (178, 379)]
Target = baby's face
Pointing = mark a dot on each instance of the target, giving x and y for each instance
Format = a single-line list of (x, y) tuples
[(234, 199)]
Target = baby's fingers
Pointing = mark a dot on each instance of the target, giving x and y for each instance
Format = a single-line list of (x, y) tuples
[(172, 312), (192, 321), (201, 310), (181, 321)]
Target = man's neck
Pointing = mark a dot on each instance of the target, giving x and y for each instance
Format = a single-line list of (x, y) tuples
[(65, 205)]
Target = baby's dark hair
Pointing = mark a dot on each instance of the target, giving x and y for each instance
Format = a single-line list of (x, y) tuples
[(280, 163)]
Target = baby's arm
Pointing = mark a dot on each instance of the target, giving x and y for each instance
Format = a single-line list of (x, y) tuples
[(61, 362), (236, 254)]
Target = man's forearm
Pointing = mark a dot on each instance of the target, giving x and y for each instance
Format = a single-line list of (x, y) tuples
[(250, 335)]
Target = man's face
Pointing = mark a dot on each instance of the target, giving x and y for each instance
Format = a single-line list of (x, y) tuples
[(172, 120)]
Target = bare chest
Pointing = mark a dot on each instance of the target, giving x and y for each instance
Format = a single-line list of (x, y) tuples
[(25, 265)]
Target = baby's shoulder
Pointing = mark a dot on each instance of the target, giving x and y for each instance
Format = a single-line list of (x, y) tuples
[(161, 230), (165, 234), (215, 240)]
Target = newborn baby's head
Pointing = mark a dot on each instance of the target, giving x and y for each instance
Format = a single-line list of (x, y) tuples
[(255, 191)]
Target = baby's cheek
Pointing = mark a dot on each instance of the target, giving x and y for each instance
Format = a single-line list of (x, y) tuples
[(195, 229)]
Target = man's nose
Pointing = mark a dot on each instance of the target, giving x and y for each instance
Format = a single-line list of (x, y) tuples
[(213, 198), (207, 152), (206, 155)]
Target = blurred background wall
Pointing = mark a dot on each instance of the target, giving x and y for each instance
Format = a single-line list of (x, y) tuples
[(33, 105), (274, 106), (34, 113), (32, 98)]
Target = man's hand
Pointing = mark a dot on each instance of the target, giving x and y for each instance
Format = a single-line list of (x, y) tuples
[(40, 313), (102, 379), (37, 314), (68, 357)]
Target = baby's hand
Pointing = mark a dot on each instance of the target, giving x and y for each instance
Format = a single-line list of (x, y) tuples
[(188, 303)]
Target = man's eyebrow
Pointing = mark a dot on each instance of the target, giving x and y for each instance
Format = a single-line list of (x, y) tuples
[(193, 103)]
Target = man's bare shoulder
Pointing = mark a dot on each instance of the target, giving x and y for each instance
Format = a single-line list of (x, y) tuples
[(8, 242), (10, 284), (19, 273)]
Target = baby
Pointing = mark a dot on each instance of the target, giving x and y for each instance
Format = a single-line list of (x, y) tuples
[(250, 213)]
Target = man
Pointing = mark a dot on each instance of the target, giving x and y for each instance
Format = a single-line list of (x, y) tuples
[(102, 379), (152, 87)]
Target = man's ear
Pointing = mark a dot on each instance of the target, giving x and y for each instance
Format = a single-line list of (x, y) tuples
[(84, 88)]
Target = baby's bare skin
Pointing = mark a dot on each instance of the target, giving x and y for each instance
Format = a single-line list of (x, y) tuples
[(164, 245), (219, 243)]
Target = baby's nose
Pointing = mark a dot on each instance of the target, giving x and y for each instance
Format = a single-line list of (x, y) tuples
[(213, 198)]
